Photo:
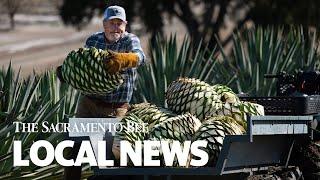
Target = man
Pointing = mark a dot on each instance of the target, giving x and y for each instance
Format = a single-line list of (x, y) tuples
[(126, 54)]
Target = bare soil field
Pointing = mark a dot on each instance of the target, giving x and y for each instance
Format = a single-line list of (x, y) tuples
[(40, 46)]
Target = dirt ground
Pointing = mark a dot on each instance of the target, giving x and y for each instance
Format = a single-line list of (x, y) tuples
[(306, 156), (40, 46), (41, 42)]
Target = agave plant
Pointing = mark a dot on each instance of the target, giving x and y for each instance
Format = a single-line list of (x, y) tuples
[(169, 61), (255, 52), (35, 99), (266, 51)]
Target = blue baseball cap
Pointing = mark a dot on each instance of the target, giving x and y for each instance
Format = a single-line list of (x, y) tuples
[(114, 12)]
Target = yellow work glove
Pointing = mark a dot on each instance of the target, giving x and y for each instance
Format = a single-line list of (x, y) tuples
[(115, 62)]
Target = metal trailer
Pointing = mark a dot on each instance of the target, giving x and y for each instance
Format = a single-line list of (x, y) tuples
[(268, 142)]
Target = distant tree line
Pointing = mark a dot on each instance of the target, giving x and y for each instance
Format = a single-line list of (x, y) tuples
[(202, 18), (12, 7)]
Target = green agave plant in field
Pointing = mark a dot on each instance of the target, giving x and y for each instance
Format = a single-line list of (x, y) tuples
[(267, 51), (34, 99), (169, 61), (255, 52)]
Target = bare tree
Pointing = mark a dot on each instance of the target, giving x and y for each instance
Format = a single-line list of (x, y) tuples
[(12, 7)]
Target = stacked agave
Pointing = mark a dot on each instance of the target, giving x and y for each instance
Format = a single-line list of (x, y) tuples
[(197, 111), (239, 111), (180, 128), (150, 113), (162, 123), (213, 130), (84, 70), (140, 114), (129, 135), (218, 107), (203, 100), (225, 94), (193, 96)]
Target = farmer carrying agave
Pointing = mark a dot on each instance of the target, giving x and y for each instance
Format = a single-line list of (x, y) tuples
[(104, 71)]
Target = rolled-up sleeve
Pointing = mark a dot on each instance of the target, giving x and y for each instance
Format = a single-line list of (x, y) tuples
[(135, 46)]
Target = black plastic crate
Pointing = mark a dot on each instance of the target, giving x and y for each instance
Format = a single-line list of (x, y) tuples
[(287, 105)]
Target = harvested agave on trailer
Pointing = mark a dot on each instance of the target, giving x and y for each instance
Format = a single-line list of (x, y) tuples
[(84, 70), (132, 135), (213, 130), (193, 96), (150, 113), (127, 134), (239, 111), (180, 128), (226, 95), (202, 100)]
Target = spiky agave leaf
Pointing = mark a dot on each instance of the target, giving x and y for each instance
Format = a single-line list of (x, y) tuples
[(213, 130), (37, 99), (193, 96), (181, 128), (84, 70), (150, 113), (170, 59)]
